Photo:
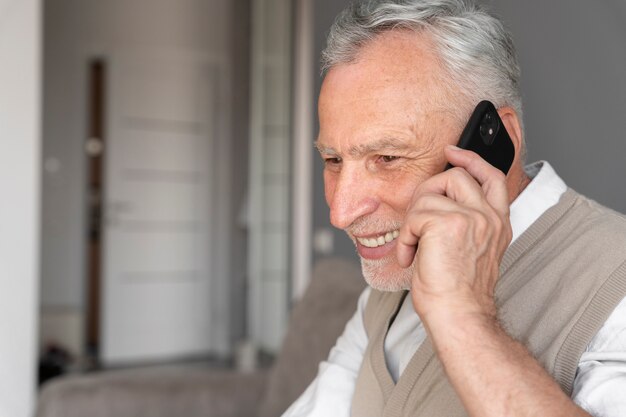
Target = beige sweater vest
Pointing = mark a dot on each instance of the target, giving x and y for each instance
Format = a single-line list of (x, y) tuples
[(559, 282)]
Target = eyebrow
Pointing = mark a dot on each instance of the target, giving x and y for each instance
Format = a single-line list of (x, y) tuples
[(378, 146)]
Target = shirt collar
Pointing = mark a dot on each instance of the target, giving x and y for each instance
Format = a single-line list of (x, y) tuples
[(543, 191)]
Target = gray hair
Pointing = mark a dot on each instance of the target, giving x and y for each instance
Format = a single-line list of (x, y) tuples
[(476, 50)]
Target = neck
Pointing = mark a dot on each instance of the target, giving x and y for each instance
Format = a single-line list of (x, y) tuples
[(517, 181)]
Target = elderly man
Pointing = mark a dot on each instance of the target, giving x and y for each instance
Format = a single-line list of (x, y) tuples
[(490, 295)]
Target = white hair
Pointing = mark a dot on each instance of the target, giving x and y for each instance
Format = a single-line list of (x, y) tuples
[(476, 50)]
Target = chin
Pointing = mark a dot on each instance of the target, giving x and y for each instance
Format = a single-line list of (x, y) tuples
[(386, 275)]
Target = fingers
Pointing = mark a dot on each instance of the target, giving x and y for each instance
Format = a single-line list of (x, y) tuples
[(412, 231), (490, 178), (427, 208), (447, 219), (406, 248), (473, 182), (472, 194), (456, 184)]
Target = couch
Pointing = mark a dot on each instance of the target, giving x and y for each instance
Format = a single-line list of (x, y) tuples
[(316, 322)]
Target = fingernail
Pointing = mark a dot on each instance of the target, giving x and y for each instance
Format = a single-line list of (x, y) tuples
[(454, 148)]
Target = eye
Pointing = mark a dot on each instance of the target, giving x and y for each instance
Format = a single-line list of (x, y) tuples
[(332, 161), (388, 158)]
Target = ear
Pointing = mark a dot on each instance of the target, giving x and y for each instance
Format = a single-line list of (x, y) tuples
[(513, 126)]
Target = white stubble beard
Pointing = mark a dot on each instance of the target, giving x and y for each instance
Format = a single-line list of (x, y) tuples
[(377, 275), (382, 274)]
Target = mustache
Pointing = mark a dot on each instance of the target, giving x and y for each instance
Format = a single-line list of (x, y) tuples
[(367, 226)]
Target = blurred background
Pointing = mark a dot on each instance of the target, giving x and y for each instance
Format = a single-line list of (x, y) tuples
[(162, 202)]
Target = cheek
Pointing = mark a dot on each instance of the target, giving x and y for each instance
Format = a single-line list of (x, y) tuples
[(397, 187), (399, 194)]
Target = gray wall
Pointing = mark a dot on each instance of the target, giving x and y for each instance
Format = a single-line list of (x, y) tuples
[(573, 57)]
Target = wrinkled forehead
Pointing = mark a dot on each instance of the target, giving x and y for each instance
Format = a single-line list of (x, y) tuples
[(397, 66)]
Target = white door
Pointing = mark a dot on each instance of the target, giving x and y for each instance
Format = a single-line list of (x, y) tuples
[(156, 270)]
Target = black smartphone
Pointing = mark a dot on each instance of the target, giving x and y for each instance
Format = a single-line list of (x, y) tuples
[(486, 135)]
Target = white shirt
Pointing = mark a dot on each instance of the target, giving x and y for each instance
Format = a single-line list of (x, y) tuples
[(600, 384)]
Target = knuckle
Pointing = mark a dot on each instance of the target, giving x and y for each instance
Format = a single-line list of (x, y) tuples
[(483, 224), (457, 221), (424, 201), (413, 217), (484, 221), (499, 175), (458, 174)]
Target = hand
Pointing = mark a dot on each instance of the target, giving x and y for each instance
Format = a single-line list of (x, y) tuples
[(461, 220)]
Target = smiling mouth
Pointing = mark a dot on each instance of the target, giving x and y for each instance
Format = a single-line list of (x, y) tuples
[(376, 241)]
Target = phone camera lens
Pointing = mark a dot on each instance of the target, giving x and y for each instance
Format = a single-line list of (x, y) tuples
[(489, 128)]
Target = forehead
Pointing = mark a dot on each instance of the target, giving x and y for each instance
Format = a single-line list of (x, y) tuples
[(394, 85)]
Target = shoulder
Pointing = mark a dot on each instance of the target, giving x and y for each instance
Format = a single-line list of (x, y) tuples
[(594, 222), (599, 213), (595, 241), (598, 208)]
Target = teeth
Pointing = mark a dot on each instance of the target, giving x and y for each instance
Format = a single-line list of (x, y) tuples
[(378, 241)]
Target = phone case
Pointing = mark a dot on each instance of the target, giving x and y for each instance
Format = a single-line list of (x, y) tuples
[(486, 135)]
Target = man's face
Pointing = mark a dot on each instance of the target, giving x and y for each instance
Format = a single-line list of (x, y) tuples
[(384, 121)]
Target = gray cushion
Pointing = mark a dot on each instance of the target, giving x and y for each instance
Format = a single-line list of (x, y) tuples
[(154, 392), (316, 322)]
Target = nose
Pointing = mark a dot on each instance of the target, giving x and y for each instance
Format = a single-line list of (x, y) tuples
[(350, 196)]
